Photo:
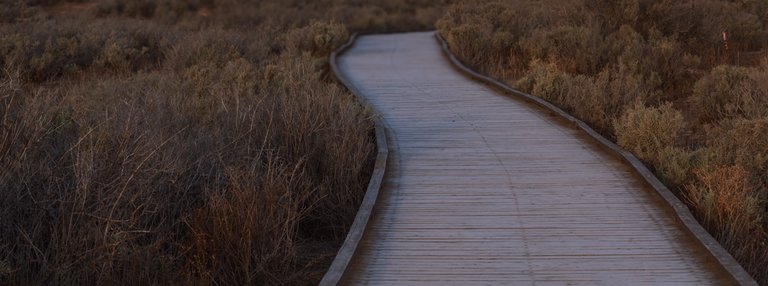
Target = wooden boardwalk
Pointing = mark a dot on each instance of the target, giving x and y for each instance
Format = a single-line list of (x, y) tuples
[(485, 189)]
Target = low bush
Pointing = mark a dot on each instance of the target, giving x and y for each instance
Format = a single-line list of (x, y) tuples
[(676, 165), (166, 11), (743, 142), (575, 49), (727, 205), (596, 100), (701, 23), (729, 92), (646, 131), (545, 80), (478, 40), (318, 38), (53, 49)]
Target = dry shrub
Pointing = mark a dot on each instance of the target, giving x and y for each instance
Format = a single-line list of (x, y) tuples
[(9, 12), (575, 49), (473, 34), (129, 50), (659, 63), (646, 131), (318, 38), (620, 86), (545, 80), (467, 42), (743, 142), (727, 205), (587, 101), (701, 24), (729, 92), (358, 16), (487, 34), (54, 48), (167, 11), (676, 165), (595, 100), (724, 199), (121, 188), (615, 13)]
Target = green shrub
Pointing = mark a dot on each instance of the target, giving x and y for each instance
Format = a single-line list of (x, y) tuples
[(647, 131), (729, 92)]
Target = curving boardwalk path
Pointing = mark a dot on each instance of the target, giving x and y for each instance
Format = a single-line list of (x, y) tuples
[(485, 189)]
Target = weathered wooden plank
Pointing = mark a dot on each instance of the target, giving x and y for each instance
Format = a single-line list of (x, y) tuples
[(483, 189)]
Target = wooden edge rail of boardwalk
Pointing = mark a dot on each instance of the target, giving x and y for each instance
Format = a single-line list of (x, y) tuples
[(483, 188), (347, 250)]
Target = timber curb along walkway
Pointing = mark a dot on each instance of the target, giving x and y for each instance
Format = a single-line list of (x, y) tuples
[(561, 211), (347, 250)]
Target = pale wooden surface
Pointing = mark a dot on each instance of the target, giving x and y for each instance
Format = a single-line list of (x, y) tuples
[(483, 189)]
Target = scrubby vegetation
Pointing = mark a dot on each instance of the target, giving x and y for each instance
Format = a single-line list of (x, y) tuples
[(180, 142), (681, 84)]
